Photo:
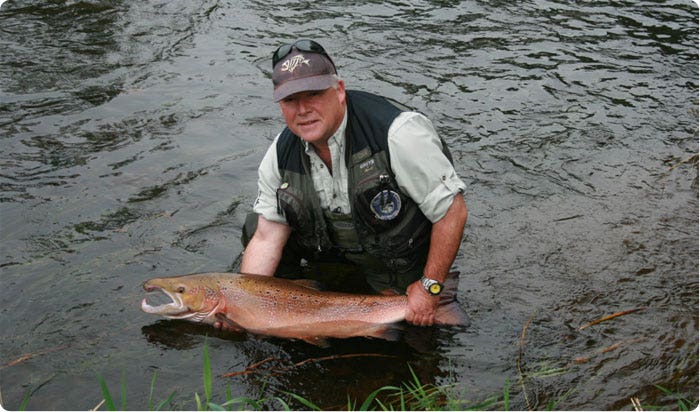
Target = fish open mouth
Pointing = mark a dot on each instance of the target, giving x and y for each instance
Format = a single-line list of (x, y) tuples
[(164, 303)]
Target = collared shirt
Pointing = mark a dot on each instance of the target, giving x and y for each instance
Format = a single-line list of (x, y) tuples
[(331, 188), (422, 171)]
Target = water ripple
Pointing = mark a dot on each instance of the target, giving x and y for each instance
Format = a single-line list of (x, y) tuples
[(132, 131)]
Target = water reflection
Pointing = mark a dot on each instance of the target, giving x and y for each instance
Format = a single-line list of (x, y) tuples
[(272, 365), (181, 335)]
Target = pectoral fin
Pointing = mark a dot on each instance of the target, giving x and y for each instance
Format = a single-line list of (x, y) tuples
[(317, 341), (449, 311), (230, 325), (451, 314), (390, 332)]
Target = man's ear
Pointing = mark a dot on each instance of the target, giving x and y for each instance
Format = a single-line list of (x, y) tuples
[(341, 92)]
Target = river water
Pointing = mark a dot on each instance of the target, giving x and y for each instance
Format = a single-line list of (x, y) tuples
[(131, 133)]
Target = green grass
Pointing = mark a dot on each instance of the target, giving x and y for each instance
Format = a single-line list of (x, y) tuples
[(411, 395), (109, 402), (23, 405), (684, 404)]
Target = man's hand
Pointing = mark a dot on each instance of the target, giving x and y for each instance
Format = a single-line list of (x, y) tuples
[(421, 305)]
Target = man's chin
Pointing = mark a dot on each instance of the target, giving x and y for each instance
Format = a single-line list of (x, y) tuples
[(312, 137)]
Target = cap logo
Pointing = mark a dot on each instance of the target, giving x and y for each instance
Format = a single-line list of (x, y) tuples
[(290, 64)]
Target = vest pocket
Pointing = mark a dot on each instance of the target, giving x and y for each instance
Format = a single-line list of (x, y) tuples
[(391, 224), (342, 232), (410, 238), (379, 203), (291, 206)]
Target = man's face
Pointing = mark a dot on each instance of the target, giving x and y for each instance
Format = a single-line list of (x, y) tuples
[(315, 115)]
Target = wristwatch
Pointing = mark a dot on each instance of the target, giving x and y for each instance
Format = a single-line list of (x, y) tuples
[(431, 286)]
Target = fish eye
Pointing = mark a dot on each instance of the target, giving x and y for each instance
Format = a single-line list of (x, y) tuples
[(180, 289)]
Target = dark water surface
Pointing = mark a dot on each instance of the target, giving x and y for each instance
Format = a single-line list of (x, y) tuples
[(131, 133)]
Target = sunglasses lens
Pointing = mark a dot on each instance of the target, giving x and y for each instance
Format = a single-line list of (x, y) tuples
[(309, 46), (280, 53), (303, 45)]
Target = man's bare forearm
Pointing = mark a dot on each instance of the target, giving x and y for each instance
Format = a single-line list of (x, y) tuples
[(445, 239), (264, 251), (446, 236)]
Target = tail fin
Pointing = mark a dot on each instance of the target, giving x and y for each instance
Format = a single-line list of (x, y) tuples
[(449, 311)]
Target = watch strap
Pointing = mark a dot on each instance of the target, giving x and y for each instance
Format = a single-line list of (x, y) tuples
[(431, 286)]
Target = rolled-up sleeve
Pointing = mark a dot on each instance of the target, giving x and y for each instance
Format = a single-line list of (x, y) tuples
[(422, 170), (269, 179)]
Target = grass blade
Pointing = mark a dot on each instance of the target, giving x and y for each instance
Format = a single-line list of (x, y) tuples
[(165, 401), (403, 401), (150, 392), (25, 400), (285, 405), (372, 396), (683, 404), (214, 407), (123, 389), (207, 373), (255, 405), (229, 397), (109, 402), (384, 407), (487, 403), (304, 401), (351, 403)]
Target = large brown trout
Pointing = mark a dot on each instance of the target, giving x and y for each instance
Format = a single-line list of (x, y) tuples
[(288, 309)]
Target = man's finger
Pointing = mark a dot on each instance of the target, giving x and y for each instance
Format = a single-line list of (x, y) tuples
[(410, 316)]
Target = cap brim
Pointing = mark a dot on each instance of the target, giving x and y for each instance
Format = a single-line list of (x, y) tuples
[(305, 84)]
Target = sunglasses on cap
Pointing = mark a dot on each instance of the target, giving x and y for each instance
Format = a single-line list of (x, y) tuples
[(304, 45)]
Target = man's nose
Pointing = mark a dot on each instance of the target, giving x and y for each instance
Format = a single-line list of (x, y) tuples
[(303, 105)]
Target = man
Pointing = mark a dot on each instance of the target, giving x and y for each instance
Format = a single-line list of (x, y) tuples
[(357, 177)]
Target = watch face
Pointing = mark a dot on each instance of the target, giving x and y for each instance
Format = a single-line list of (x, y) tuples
[(435, 288)]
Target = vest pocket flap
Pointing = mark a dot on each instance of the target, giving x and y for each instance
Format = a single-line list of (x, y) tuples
[(291, 206)]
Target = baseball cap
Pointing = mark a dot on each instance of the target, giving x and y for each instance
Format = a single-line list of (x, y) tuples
[(300, 67)]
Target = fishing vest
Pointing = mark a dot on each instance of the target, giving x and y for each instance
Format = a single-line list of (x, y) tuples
[(384, 222)]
